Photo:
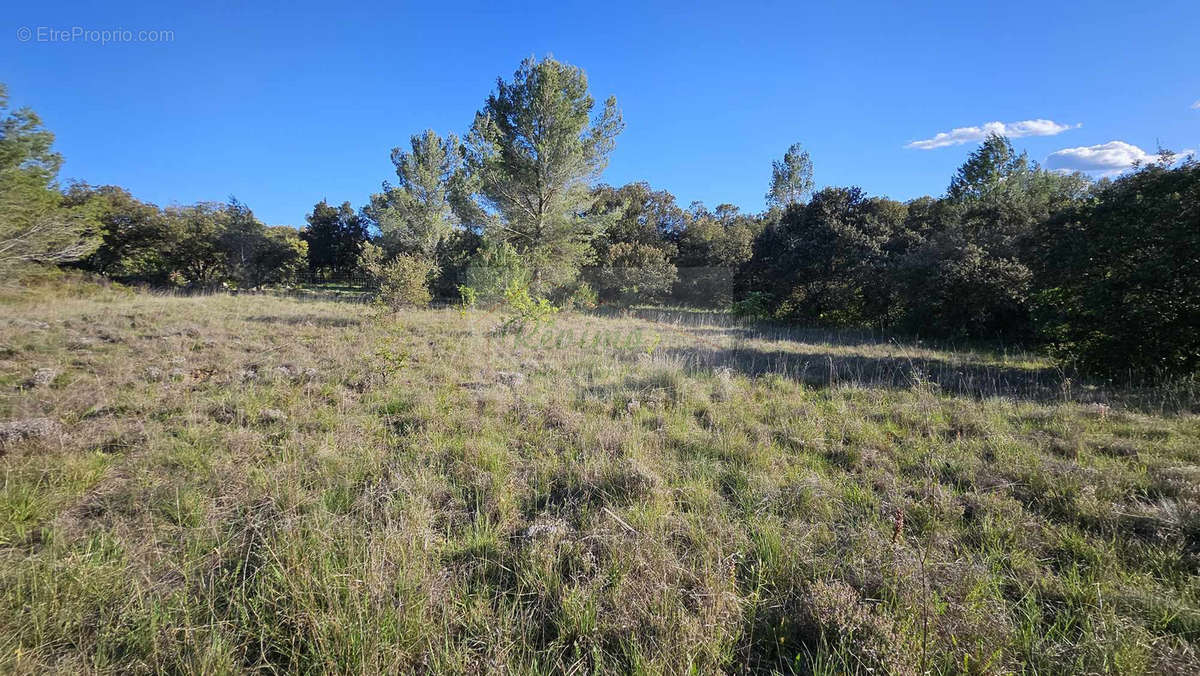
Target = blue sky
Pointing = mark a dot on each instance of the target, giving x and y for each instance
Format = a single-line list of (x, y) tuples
[(283, 105)]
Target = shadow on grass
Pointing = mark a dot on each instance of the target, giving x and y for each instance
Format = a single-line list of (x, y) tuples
[(980, 381), (821, 369), (716, 323), (794, 334)]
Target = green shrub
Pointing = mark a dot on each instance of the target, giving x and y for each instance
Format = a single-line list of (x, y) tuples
[(493, 270), (583, 297), (469, 296), (402, 281), (523, 308)]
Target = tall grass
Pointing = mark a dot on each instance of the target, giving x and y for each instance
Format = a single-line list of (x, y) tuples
[(263, 484)]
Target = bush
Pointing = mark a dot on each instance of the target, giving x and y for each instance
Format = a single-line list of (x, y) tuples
[(632, 272), (468, 295), (1120, 278), (523, 308), (583, 297), (402, 281)]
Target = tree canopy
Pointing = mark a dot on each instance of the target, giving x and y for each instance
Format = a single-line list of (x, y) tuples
[(431, 198), (535, 149), (791, 178), (335, 237), (34, 225)]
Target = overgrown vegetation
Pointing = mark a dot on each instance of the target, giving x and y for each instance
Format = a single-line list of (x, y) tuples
[(218, 484), (1102, 275)]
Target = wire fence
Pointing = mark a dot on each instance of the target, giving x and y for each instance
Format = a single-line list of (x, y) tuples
[(333, 281)]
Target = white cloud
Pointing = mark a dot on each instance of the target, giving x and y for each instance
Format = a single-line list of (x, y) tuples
[(1108, 158), (1196, 105), (1010, 129)]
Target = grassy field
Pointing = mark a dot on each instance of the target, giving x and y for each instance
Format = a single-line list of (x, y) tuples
[(221, 484)]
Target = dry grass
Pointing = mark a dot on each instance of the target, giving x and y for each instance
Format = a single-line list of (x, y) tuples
[(252, 483)]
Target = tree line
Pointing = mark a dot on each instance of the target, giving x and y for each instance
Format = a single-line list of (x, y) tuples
[(1105, 274)]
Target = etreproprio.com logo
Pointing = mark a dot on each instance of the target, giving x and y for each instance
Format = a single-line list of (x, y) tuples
[(100, 36)]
